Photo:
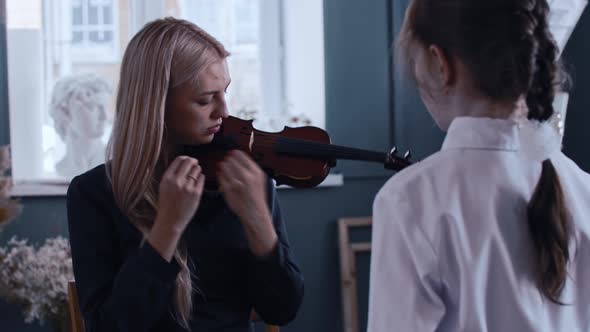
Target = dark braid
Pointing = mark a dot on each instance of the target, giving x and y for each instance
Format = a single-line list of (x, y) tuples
[(547, 215), (545, 79)]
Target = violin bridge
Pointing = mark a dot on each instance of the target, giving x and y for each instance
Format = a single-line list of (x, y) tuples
[(251, 143)]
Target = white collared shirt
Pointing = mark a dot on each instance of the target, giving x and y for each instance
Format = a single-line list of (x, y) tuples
[(451, 249)]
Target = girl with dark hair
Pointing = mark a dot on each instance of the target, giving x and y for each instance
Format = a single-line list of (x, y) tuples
[(492, 232)]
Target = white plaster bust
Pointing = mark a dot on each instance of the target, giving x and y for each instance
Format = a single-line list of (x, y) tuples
[(79, 112)]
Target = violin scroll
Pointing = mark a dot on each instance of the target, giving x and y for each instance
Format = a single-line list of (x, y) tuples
[(394, 162)]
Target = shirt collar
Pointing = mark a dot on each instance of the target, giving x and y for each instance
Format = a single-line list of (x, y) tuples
[(482, 133)]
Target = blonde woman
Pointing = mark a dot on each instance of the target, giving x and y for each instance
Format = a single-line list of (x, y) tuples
[(153, 251)]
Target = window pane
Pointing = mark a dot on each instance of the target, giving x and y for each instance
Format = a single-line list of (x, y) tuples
[(45, 76), (246, 13), (98, 3), (246, 9), (235, 23), (97, 38), (245, 90), (92, 15), (94, 36), (77, 37), (107, 37), (107, 13), (211, 15), (247, 34), (100, 37), (77, 15)]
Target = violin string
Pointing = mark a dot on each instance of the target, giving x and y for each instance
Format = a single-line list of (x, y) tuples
[(311, 146), (292, 145), (269, 141)]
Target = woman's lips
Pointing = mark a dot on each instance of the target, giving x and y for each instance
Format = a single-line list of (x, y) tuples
[(214, 129)]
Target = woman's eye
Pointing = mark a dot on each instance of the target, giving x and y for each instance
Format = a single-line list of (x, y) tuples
[(203, 102)]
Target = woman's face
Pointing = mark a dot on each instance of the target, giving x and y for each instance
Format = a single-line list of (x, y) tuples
[(194, 112)]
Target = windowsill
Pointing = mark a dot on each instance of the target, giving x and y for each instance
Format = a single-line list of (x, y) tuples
[(30, 189), (61, 188)]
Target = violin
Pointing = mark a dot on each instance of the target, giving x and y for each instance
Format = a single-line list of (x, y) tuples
[(300, 157)]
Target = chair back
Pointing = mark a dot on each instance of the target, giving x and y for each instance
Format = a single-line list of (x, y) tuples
[(348, 283), (76, 321)]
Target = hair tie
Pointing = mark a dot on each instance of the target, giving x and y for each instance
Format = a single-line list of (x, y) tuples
[(539, 141)]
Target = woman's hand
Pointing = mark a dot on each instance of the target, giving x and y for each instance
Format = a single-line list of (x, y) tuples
[(178, 199), (243, 184)]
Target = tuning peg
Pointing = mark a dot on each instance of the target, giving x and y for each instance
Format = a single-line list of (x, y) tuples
[(393, 151), (407, 155)]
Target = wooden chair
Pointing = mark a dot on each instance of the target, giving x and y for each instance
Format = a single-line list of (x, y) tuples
[(77, 323), (268, 328), (348, 251)]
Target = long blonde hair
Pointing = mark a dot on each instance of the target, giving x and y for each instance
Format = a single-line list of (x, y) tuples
[(162, 55)]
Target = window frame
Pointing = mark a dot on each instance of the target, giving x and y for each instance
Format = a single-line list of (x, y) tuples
[(107, 53), (293, 61)]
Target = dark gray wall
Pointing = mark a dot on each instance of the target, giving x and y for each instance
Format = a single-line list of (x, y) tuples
[(359, 113), (577, 59)]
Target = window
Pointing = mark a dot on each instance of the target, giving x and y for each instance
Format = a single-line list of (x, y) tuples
[(93, 30), (236, 24), (276, 65)]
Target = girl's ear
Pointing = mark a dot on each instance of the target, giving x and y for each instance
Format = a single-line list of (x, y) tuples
[(441, 66)]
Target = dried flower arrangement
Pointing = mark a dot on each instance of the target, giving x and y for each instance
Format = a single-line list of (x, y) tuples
[(36, 279), (9, 208)]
